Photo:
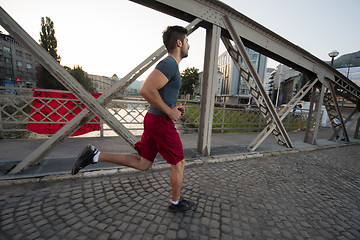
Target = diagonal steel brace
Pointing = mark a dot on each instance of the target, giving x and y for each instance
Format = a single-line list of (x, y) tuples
[(282, 114), (95, 105), (334, 100), (240, 46)]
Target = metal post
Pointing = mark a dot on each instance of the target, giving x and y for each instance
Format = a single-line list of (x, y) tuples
[(314, 120), (223, 117), (357, 129), (208, 89), (1, 126)]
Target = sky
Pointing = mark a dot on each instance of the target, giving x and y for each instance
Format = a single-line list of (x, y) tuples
[(113, 36)]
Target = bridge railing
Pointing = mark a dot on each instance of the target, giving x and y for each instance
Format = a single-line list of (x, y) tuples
[(17, 111)]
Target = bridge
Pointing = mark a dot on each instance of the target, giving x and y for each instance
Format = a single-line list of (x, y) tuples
[(235, 31)]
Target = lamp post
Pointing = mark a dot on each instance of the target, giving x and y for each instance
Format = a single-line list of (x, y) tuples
[(333, 54)]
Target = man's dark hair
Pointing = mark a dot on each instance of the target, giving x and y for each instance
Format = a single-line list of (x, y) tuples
[(171, 35)]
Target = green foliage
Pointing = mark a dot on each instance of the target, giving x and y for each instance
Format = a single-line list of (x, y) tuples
[(47, 38), (16, 109), (46, 80), (238, 120), (189, 77), (78, 73), (49, 43)]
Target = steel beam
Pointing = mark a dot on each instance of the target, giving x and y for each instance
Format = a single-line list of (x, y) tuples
[(282, 114), (270, 107), (314, 115), (60, 74), (208, 89), (339, 115), (356, 135), (256, 37)]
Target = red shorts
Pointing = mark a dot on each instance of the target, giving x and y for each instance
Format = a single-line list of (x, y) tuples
[(160, 135)]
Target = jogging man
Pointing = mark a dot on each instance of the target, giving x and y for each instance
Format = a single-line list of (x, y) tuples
[(161, 91)]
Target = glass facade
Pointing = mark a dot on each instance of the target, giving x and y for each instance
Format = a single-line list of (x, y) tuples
[(232, 83)]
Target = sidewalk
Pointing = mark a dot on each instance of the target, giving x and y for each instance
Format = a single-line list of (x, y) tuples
[(296, 194), (62, 158)]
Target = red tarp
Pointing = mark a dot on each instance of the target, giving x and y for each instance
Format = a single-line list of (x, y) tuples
[(40, 112)]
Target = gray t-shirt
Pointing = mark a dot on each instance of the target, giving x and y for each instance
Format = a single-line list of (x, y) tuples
[(170, 92)]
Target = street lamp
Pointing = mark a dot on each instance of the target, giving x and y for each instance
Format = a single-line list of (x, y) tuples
[(333, 54)]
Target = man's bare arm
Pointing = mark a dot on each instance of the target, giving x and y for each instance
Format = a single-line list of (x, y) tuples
[(150, 91)]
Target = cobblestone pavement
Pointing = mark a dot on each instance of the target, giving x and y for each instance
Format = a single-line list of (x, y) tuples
[(305, 195)]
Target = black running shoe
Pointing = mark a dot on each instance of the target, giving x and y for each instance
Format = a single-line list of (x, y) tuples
[(182, 206), (84, 159)]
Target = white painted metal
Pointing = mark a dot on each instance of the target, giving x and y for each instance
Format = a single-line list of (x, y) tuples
[(314, 118), (269, 106), (260, 39), (339, 115), (208, 89), (67, 80), (357, 129), (256, 37), (282, 114)]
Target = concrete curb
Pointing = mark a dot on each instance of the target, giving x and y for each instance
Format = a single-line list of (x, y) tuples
[(161, 166)]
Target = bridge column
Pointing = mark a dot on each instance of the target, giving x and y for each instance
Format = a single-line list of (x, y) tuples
[(357, 135), (314, 118), (208, 89)]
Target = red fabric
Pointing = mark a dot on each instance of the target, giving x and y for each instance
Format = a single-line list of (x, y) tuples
[(160, 135), (40, 113)]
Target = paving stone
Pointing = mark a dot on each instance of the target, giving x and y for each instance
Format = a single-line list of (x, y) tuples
[(290, 196)]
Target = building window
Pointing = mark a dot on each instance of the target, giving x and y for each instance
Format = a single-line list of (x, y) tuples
[(18, 53), (28, 66), (8, 60), (28, 56), (6, 49), (19, 63)]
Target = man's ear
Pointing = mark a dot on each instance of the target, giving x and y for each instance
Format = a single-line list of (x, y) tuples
[(179, 43)]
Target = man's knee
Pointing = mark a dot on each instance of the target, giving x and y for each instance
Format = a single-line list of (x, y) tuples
[(144, 164), (180, 165)]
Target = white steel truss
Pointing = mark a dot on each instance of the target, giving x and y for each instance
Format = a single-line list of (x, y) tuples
[(95, 105), (256, 88), (219, 20)]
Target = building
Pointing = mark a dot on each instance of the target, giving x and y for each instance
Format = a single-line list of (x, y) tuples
[(17, 66), (100, 83), (284, 83), (268, 83), (198, 86), (233, 88)]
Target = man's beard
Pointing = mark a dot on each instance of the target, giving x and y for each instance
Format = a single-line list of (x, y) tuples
[(183, 54)]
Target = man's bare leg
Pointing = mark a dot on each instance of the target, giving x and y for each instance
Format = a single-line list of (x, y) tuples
[(126, 159), (176, 179)]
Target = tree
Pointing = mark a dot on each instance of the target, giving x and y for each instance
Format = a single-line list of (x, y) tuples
[(189, 78), (47, 38), (49, 43), (78, 73)]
